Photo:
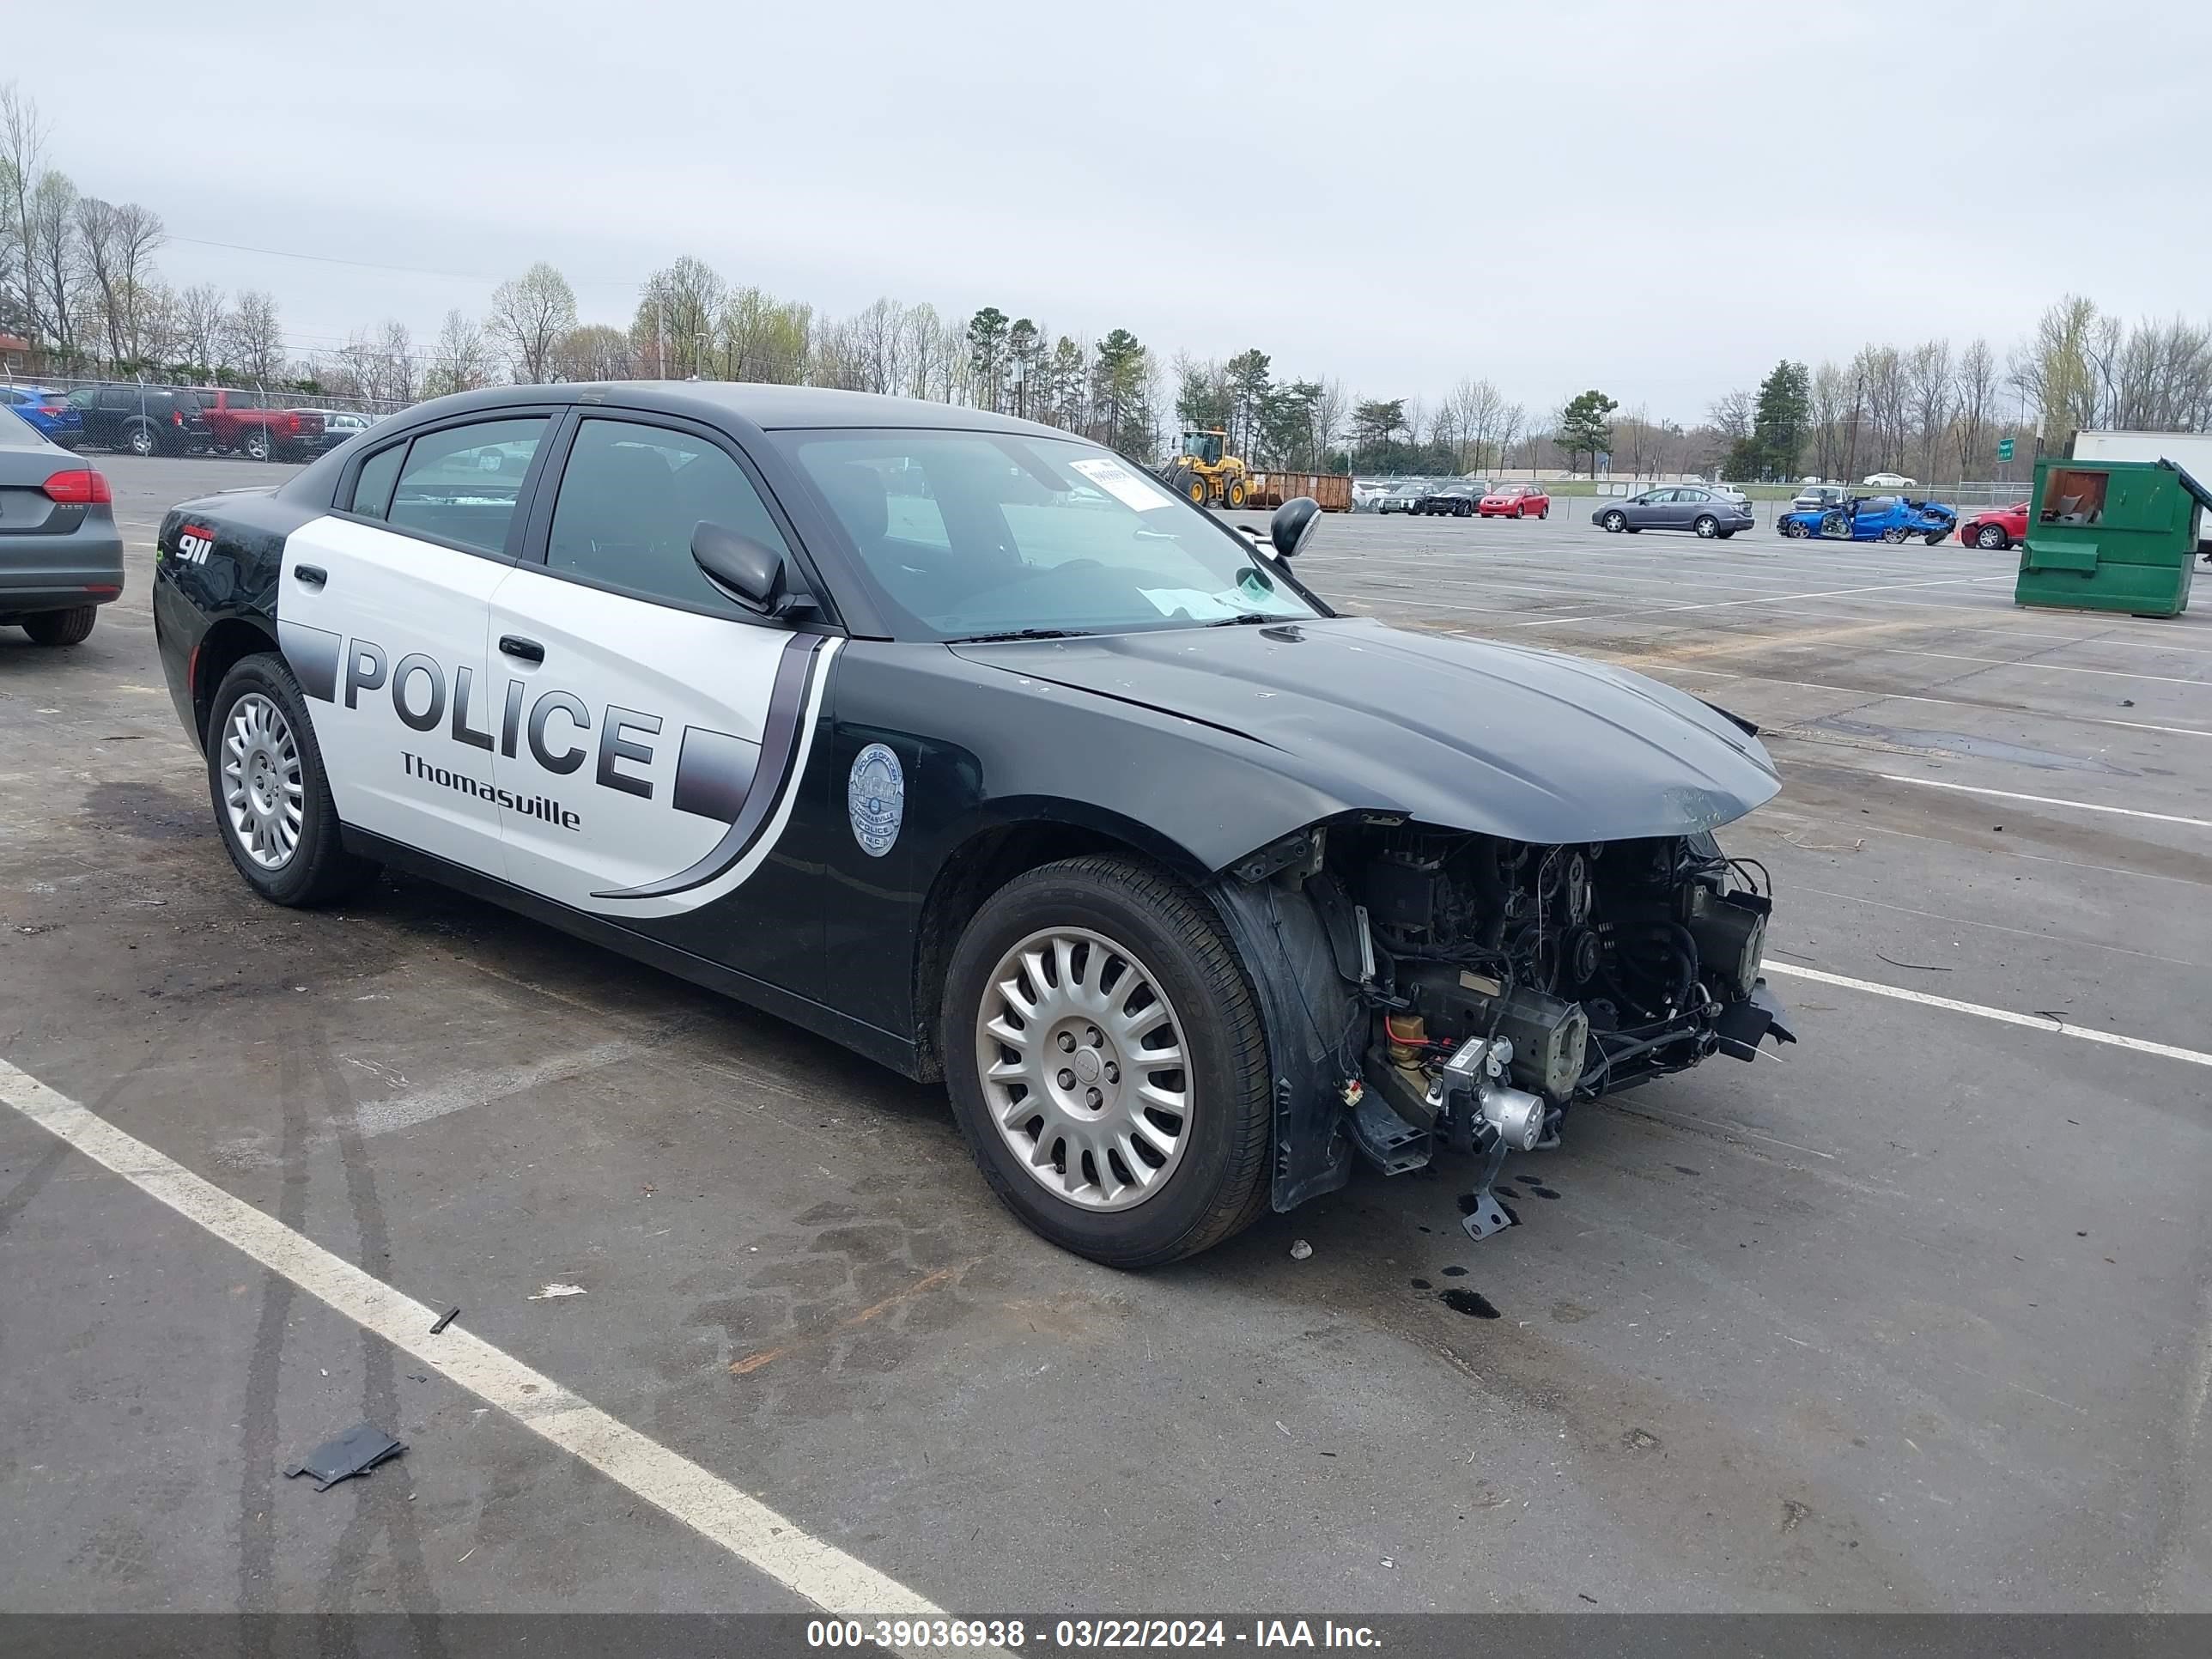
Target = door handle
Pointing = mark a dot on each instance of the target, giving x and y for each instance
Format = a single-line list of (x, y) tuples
[(313, 574), (522, 650)]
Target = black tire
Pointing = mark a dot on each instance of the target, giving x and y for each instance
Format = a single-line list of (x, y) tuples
[(142, 439), (1795, 529), (1463, 511), (61, 627), (1992, 537), (1616, 521), (1893, 536), (1937, 537), (253, 444), (1707, 526), (1725, 534), (1220, 1186), (319, 870)]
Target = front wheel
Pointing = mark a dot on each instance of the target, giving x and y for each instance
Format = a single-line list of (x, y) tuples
[(1615, 522), (1195, 490), (69, 627), (272, 799), (1795, 528), (1937, 537), (1707, 526), (1992, 538), (1106, 1062)]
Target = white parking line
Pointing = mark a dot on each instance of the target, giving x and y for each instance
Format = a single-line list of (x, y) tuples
[(740, 1524), (2050, 800), (1773, 599), (1660, 670), (2005, 1016)]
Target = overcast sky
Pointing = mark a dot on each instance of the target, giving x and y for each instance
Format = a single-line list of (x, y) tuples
[(1657, 200)]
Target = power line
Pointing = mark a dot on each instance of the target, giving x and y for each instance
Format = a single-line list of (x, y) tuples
[(370, 264)]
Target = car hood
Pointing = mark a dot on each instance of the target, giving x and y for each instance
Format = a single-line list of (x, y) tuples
[(1502, 740)]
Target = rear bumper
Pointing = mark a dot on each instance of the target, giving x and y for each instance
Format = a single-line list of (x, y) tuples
[(60, 572)]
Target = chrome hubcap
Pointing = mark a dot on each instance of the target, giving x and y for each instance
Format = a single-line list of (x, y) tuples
[(262, 793), (1083, 1064)]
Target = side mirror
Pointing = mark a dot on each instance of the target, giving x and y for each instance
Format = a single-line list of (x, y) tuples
[(1293, 525), (754, 574)]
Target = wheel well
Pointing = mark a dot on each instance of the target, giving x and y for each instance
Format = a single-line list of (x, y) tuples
[(226, 644), (977, 868)]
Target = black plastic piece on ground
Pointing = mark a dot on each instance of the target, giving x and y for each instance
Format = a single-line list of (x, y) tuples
[(445, 1319), (356, 1451)]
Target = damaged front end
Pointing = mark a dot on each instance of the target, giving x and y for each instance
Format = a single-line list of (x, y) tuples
[(1431, 990)]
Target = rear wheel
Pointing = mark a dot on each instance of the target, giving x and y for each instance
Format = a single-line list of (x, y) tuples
[(1235, 493), (61, 627), (253, 443), (1106, 1062), (1616, 521), (141, 440), (1992, 537), (1707, 526), (272, 800)]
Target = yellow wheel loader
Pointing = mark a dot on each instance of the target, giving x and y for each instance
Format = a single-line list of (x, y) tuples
[(1205, 472)]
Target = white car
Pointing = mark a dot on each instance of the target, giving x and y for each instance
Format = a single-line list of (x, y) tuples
[(1365, 496), (1889, 481)]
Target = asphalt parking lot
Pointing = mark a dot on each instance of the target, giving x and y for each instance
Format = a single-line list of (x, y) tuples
[(1917, 1317)]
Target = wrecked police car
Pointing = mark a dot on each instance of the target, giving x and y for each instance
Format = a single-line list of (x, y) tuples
[(964, 743)]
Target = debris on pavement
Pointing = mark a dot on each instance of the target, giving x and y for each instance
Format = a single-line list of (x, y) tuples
[(1921, 967), (445, 1319), (1301, 1250), (356, 1451), (555, 1288)]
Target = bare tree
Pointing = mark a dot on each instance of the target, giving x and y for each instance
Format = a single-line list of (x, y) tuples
[(1977, 386), (1930, 392), (529, 315), (1332, 409), (56, 261), (22, 159), (203, 325), (462, 360), (254, 339), (1732, 415)]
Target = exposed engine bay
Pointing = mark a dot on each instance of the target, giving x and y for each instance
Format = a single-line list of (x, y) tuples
[(1501, 983)]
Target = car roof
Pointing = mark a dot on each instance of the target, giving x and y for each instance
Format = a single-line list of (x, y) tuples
[(770, 407)]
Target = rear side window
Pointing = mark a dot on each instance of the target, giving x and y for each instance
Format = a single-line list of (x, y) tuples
[(372, 488), (631, 495), (460, 484)]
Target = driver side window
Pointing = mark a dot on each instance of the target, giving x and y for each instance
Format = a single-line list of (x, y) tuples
[(631, 495)]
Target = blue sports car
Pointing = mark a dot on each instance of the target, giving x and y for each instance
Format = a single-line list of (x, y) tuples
[(48, 411), (1873, 518)]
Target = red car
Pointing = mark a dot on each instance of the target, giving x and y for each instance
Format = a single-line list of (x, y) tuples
[(1516, 500), (1996, 529)]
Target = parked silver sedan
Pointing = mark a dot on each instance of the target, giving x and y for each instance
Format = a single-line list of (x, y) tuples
[(61, 555), (1703, 511)]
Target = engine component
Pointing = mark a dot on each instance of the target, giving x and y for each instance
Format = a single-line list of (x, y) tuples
[(1730, 930), (1550, 1036), (1479, 1069)]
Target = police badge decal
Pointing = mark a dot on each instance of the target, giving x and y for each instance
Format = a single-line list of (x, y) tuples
[(875, 799)]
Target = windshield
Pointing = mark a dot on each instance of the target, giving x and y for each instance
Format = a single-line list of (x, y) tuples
[(964, 534)]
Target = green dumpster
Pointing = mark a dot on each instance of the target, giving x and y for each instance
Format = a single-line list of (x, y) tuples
[(2111, 536)]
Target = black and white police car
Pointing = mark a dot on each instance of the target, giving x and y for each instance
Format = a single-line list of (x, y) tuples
[(965, 742)]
